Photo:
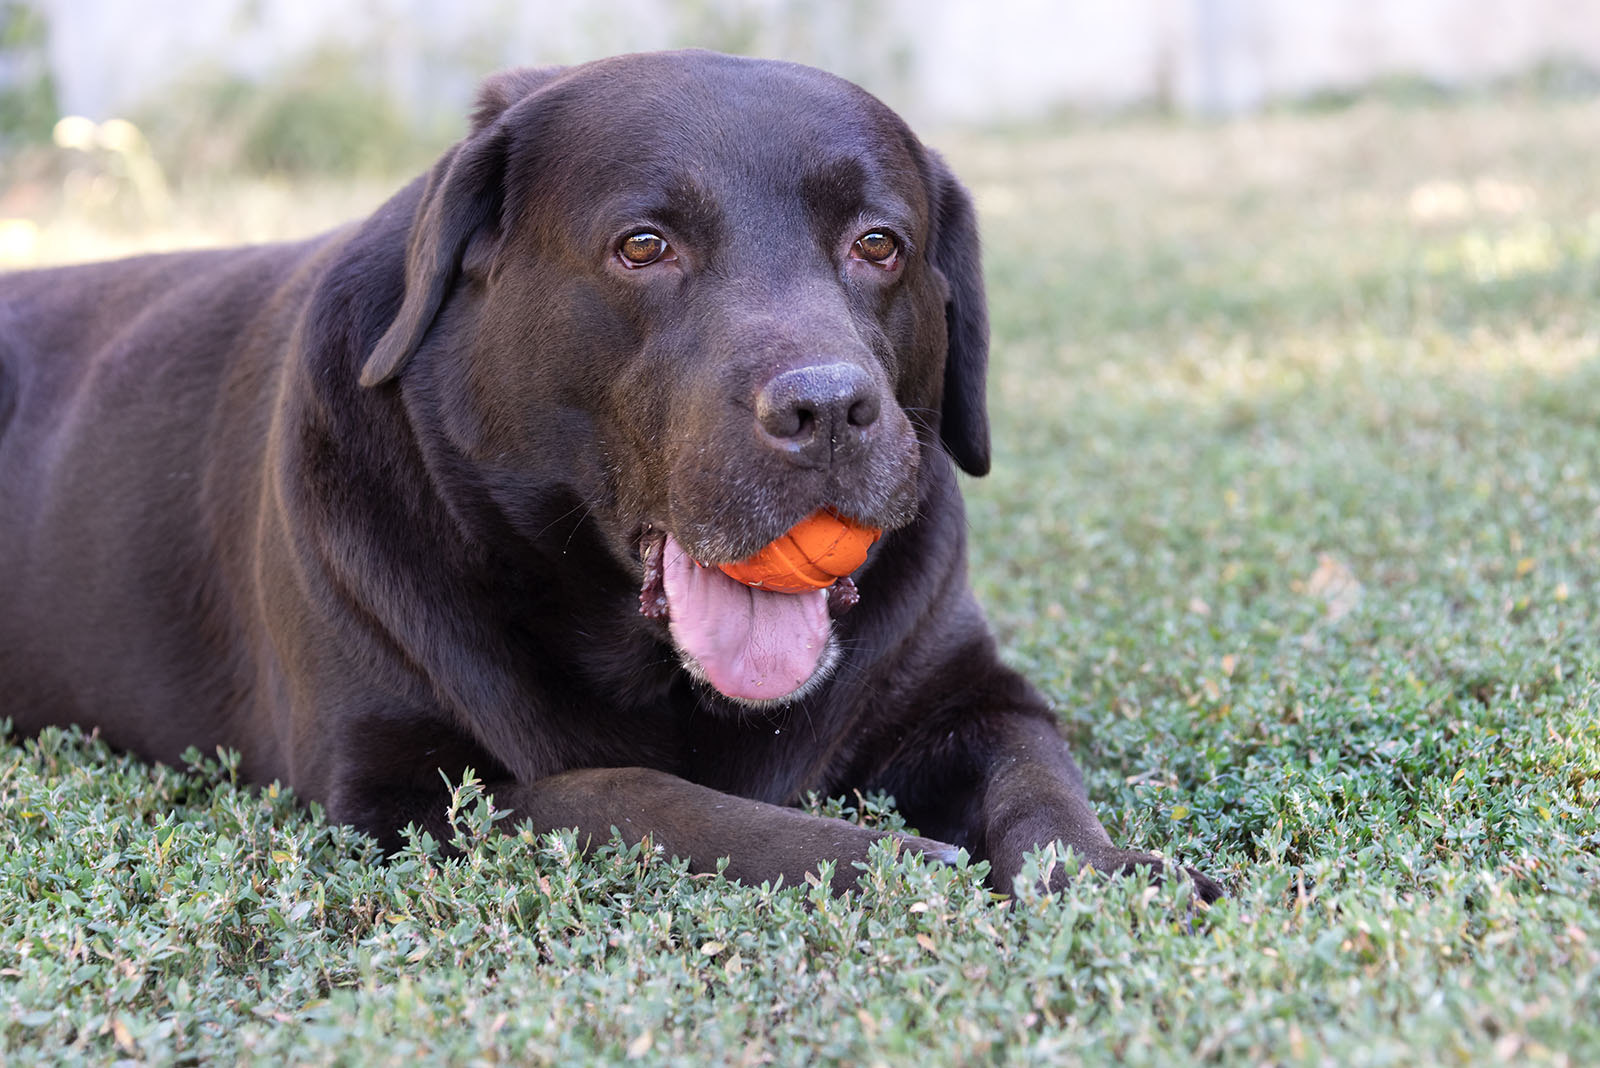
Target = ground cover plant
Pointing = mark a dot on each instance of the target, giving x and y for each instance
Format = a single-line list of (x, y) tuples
[(1295, 516)]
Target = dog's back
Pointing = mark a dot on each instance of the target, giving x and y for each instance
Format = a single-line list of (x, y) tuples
[(121, 385)]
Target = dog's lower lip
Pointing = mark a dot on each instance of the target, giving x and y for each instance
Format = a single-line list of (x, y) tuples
[(652, 585)]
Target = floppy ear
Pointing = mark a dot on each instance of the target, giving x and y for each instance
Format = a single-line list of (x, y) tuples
[(499, 91), (964, 421), (463, 195)]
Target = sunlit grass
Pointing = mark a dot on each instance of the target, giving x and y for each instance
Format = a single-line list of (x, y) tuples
[(99, 222)]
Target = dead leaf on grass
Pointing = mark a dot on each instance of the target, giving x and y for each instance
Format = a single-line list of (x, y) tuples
[(641, 1045), (1335, 585)]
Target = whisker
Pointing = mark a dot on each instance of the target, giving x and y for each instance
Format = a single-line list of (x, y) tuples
[(585, 506), (588, 510)]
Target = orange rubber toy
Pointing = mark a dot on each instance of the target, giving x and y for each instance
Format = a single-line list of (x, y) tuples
[(815, 553)]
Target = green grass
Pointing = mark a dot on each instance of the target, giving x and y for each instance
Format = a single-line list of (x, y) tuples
[(1296, 517)]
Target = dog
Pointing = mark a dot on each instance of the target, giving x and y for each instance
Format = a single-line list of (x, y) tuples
[(448, 488)]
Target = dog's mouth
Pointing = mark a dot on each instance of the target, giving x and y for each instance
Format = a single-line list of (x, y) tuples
[(754, 646)]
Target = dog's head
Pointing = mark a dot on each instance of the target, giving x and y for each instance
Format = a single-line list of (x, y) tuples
[(708, 296)]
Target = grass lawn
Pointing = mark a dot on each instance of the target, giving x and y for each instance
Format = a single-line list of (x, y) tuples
[(1295, 516)]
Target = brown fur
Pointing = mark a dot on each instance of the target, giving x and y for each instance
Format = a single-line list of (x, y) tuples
[(369, 506)]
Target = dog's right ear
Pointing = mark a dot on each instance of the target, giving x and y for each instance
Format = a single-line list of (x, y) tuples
[(499, 91), (464, 195)]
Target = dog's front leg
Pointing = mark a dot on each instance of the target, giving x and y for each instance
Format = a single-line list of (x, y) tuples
[(1002, 783), (699, 824), (1032, 794)]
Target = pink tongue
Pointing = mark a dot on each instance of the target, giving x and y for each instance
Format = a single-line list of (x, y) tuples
[(751, 644)]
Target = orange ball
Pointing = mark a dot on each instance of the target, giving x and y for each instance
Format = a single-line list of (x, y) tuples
[(816, 552)]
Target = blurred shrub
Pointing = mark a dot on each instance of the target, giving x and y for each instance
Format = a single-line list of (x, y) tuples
[(27, 92), (323, 115), (1556, 78), (1559, 78), (856, 39), (108, 173)]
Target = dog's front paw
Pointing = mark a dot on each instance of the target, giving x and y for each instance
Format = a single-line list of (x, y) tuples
[(931, 849), (1054, 871), (1157, 870), (1206, 888)]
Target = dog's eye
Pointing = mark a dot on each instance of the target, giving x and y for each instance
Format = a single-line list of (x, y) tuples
[(642, 249), (878, 247)]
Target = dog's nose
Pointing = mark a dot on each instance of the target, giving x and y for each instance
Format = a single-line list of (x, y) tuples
[(818, 413)]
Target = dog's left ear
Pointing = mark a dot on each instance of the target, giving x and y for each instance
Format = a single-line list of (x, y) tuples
[(964, 421), (463, 195)]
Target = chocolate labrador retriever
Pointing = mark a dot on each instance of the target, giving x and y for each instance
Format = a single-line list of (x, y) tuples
[(443, 488)]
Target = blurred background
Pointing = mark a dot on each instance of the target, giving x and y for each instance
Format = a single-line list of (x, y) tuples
[(170, 122), (936, 59)]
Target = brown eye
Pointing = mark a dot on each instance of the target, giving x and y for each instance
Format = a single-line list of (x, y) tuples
[(642, 249), (879, 247)]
